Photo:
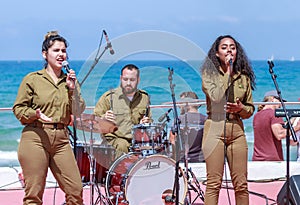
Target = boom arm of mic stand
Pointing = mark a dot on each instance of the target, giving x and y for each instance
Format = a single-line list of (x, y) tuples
[(93, 66)]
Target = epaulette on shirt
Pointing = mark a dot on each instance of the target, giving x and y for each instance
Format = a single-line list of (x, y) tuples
[(108, 93), (143, 92)]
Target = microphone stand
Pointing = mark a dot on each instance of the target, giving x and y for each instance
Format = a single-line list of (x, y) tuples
[(288, 127), (97, 58), (225, 122), (178, 145), (91, 156)]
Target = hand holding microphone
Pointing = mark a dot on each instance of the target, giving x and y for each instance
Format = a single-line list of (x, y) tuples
[(229, 63), (71, 77)]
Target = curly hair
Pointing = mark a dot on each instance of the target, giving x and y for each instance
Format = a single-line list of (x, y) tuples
[(242, 64)]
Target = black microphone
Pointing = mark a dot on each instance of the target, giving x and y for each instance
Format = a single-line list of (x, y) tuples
[(65, 64), (230, 63), (161, 118), (112, 52)]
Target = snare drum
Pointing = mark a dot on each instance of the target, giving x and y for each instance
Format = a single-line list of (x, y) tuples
[(146, 137), (104, 156), (134, 179)]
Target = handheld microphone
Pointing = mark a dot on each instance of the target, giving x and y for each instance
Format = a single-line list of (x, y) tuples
[(230, 63), (65, 64), (112, 52), (161, 118)]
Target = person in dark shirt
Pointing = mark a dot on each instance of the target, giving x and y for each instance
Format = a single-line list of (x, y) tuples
[(192, 123)]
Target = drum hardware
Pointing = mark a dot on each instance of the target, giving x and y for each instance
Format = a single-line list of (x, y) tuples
[(92, 123), (148, 138)]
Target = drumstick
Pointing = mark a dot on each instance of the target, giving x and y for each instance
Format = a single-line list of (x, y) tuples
[(111, 100), (147, 108)]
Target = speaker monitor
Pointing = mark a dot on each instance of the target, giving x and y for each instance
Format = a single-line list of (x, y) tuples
[(294, 192)]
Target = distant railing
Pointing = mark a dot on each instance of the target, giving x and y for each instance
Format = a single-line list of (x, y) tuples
[(170, 105)]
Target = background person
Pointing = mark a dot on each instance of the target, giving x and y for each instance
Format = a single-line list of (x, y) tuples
[(227, 81), (44, 104), (126, 106), (269, 131), (192, 122)]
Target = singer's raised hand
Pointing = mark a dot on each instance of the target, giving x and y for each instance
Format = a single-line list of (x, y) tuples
[(71, 78), (234, 107)]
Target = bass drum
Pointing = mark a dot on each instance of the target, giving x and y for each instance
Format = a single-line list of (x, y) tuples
[(134, 179)]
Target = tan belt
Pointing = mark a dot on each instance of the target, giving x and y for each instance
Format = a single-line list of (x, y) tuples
[(220, 117), (47, 125)]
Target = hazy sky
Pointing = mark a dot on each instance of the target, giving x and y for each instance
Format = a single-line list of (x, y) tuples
[(265, 28)]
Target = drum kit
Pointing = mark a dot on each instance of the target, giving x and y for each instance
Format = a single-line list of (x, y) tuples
[(142, 176)]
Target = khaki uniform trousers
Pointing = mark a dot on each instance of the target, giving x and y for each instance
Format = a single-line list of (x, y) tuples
[(237, 157), (41, 148), (121, 144)]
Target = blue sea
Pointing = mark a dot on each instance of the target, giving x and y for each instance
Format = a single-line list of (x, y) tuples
[(160, 78)]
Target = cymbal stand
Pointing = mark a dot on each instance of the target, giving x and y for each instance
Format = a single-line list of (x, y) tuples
[(93, 162)]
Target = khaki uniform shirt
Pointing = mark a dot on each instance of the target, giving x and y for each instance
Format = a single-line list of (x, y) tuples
[(38, 91), (128, 113), (215, 88)]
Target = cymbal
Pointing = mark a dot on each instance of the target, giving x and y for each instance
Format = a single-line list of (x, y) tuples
[(90, 122), (187, 101)]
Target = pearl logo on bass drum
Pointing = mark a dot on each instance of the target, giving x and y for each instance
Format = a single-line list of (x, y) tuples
[(149, 165)]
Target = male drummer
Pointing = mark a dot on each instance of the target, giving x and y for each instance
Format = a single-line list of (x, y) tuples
[(126, 106), (192, 126)]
